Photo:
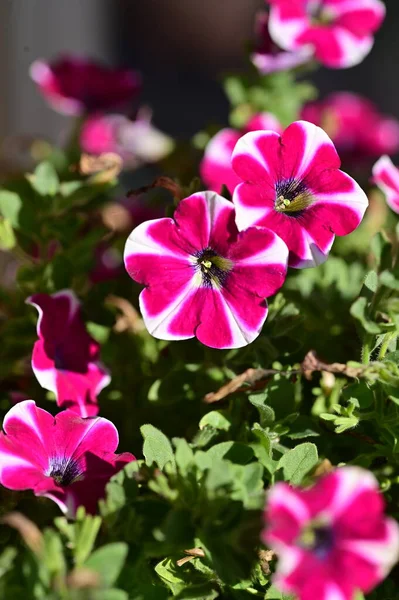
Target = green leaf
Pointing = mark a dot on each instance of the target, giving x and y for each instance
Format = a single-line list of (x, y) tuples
[(274, 594), (389, 280), (184, 455), (108, 562), (296, 463), (169, 574), (203, 591), (86, 531), (7, 237), (371, 281), (112, 594), (7, 558), (156, 448), (358, 311), (10, 205), (215, 419), (266, 413), (44, 179), (99, 332)]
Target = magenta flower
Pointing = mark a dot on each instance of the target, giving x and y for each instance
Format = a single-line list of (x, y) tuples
[(268, 57), (203, 278), (65, 458), (354, 124), (215, 167), (340, 32), (136, 142), (65, 358), (386, 176), (333, 538), (74, 86), (292, 184)]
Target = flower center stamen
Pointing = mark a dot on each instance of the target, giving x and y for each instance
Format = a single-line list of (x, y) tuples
[(292, 197), (320, 15), (214, 268), (317, 537), (65, 471)]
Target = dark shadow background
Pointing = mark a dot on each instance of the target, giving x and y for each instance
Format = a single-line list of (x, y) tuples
[(182, 48)]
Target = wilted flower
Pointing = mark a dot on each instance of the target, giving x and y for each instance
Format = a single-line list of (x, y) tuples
[(268, 57), (215, 168), (339, 32), (386, 176), (65, 458), (74, 86), (65, 359), (203, 278), (292, 184), (136, 141), (332, 539), (354, 124)]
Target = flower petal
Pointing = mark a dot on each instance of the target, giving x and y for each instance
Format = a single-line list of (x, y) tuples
[(286, 513), (386, 176), (215, 168), (257, 157), (307, 151), (253, 203), (55, 313)]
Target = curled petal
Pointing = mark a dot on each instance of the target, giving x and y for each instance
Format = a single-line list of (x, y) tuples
[(386, 176)]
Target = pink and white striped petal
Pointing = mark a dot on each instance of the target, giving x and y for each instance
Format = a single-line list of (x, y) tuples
[(386, 176)]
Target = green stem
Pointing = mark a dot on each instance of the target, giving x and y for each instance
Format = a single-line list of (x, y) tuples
[(366, 348), (391, 335)]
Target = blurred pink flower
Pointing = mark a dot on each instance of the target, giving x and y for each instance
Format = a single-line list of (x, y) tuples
[(386, 176), (65, 359), (202, 277), (355, 125), (292, 185), (267, 56), (332, 539), (215, 168), (340, 32), (65, 458), (137, 142), (75, 86)]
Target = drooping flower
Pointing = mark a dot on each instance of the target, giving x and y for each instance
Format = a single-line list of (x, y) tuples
[(65, 358), (75, 86), (332, 539), (386, 176), (65, 458), (203, 278), (268, 57), (136, 141), (215, 167), (354, 124), (292, 184), (340, 32)]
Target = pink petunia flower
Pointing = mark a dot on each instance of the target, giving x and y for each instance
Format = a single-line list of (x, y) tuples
[(386, 176), (74, 86), (268, 57), (340, 32), (65, 359), (215, 167), (354, 124), (333, 538), (292, 184), (65, 458), (137, 142), (203, 278)]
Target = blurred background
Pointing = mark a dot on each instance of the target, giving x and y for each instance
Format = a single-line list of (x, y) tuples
[(181, 47)]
